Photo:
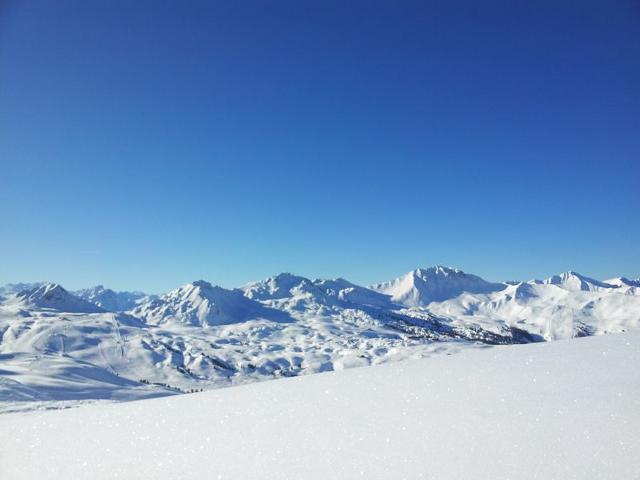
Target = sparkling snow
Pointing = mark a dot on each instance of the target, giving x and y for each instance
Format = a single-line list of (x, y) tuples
[(557, 410)]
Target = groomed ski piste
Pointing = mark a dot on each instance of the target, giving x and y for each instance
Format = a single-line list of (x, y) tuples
[(568, 409)]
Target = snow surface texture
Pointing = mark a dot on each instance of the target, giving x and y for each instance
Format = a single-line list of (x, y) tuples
[(561, 410), (57, 348)]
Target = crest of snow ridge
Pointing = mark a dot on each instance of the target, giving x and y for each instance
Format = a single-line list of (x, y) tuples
[(575, 282)]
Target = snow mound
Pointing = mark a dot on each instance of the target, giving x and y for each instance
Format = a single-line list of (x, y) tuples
[(435, 284), (55, 297)]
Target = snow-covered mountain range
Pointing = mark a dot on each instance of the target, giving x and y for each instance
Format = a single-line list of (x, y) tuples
[(57, 345)]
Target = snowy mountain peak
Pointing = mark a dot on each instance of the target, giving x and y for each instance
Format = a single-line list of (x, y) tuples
[(110, 300), (203, 290), (574, 281), (46, 291), (434, 284), (200, 304), (301, 290), (54, 296), (334, 285), (346, 291), (279, 286), (437, 270)]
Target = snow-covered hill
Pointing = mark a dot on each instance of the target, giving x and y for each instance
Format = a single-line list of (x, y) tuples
[(56, 346), (561, 410)]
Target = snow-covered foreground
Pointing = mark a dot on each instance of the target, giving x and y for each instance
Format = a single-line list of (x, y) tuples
[(556, 410)]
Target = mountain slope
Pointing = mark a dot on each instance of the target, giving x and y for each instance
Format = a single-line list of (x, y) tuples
[(11, 289), (624, 282), (545, 411), (575, 282), (547, 310), (52, 296)]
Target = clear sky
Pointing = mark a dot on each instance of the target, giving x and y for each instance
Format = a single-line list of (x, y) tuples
[(147, 144)]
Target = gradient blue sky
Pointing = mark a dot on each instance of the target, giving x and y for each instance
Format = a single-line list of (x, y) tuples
[(147, 144)]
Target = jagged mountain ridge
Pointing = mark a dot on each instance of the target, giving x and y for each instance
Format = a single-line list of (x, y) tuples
[(110, 300), (329, 292)]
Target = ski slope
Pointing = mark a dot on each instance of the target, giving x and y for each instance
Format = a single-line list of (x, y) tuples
[(556, 410)]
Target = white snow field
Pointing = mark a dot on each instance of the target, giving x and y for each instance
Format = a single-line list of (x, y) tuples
[(60, 348), (557, 410)]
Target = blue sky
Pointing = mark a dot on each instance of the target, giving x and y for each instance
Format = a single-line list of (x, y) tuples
[(147, 144)]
